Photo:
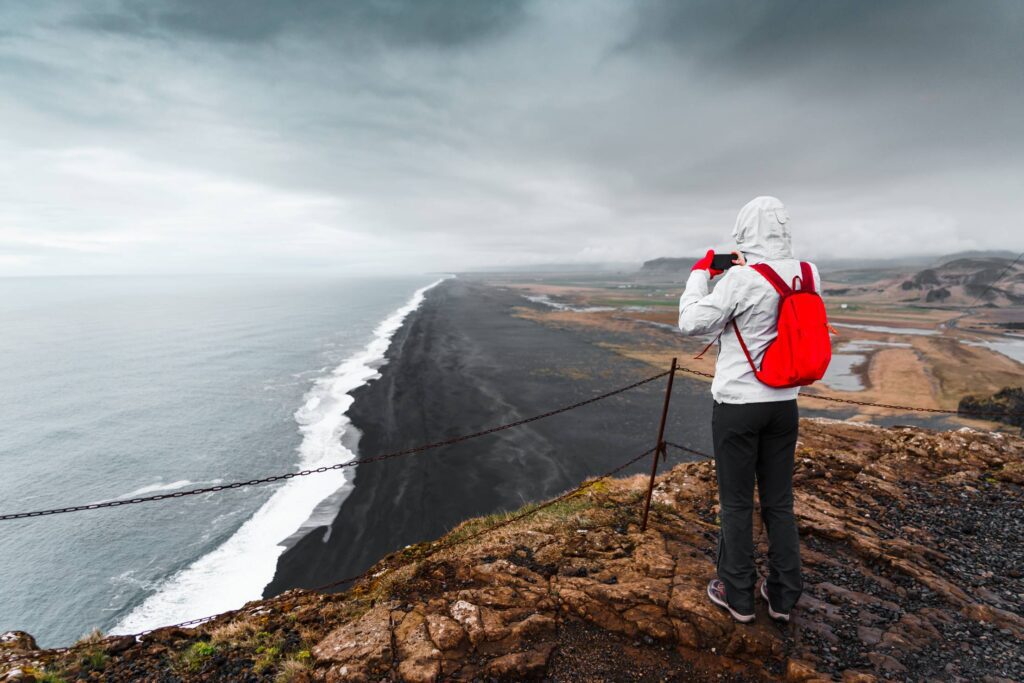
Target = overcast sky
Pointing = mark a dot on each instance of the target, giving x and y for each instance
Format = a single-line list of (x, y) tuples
[(249, 135)]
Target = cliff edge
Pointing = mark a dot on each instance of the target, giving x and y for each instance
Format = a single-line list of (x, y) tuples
[(912, 560)]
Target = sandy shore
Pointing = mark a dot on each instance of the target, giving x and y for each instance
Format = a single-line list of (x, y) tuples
[(464, 362)]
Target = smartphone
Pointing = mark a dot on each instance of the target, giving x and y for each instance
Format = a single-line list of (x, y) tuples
[(723, 261)]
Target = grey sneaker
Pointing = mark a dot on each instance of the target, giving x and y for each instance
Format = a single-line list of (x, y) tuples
[(778, 616), (716, 591)]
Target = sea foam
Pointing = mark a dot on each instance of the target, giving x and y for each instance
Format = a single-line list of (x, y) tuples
[(239, 569)]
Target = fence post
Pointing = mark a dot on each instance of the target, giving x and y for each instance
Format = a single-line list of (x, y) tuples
[(659, 450)]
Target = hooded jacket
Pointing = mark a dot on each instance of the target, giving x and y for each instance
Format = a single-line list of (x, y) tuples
[(762, 233)]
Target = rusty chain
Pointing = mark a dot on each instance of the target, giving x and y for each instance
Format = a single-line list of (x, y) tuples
[(890, 406), (433, 551), (336, 466)]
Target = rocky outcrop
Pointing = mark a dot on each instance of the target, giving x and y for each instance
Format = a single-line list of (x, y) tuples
[(977, 279), (1006, 405), (912, 564)]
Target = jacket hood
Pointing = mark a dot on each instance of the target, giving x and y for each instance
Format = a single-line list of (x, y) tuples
[(762, 230)]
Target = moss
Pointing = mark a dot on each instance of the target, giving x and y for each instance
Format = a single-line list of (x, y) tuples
[(198, 654), (293, 670), (267, 659), (49, 676), (94, 660)]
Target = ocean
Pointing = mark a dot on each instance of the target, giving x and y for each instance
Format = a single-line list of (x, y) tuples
[(115, 387)]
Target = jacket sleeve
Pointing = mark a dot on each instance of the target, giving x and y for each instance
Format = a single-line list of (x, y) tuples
[(701, 313)]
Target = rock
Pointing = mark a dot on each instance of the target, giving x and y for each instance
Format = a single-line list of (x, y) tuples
[(519, 665), (17, 640), (534, 626), (446, 633), (113, 645), (868, 635), (886, 663), (359, 650), (890, 572), (419, 659), (468, 616), (800, 672)]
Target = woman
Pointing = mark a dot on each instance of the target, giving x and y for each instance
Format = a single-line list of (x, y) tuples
[(754, 426)]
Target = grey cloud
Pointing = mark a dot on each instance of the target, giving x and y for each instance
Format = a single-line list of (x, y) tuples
[(432, 23), (449, 134)]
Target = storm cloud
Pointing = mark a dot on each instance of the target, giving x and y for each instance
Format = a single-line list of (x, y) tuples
[(436, 135)]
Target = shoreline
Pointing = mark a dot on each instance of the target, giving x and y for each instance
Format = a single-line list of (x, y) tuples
[(463, 362), (469, 359), (250, 554)]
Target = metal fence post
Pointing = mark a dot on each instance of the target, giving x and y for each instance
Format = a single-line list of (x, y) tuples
[(659, 450)]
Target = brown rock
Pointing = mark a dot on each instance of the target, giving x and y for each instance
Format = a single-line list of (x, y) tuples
[(851, 676), (686, 633), (869, 635), (419, 660), (518, 665), (468, 616), (446, 633), (534, 626), (994, 615), (360, 649), (652, 557), (118, 644), (17, 640), (886, 663), (652, 620), (800, 672)]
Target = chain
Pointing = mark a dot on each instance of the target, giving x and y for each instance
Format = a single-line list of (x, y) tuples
[(352, 579), (689, 450), (915, 409), (327, 468)]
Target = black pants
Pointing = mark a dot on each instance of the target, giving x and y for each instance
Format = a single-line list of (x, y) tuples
[(757, 440)]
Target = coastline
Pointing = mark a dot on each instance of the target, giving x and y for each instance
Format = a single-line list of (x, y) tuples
[(472, 356), (462, 362), (250, 554)]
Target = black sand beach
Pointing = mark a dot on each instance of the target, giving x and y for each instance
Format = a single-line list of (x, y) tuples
[(464, 362)]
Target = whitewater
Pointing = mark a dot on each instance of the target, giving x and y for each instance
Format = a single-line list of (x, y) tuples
[(121, 387), (239, 569)]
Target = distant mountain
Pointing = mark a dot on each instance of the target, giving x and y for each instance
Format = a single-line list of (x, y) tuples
[(960, 279), (965, 279), (669, 264)]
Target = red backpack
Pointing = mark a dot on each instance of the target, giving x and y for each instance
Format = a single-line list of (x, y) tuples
[(801, 352)]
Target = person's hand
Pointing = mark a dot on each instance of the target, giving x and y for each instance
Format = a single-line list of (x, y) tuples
[(705, 264), (739, 260)]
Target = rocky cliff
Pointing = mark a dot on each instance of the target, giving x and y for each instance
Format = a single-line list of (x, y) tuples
[(912, 553), (969, 280)]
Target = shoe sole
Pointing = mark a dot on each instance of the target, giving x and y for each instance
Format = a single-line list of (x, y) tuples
[(742, 618), (777, 616)]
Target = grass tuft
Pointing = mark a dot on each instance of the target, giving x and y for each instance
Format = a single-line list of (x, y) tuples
[(198, 654)]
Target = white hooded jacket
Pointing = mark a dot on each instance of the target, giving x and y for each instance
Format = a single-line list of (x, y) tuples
[(762, 233)]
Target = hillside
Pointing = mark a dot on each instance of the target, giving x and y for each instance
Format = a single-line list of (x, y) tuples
[(985, 278), (962, 281), (912, 563)]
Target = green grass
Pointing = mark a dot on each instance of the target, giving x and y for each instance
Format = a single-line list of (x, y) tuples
[(267, 659), (197, 655), (563, 509)]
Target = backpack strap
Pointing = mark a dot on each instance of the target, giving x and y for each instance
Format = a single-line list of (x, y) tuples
[(710, 344), (806, 277), (773, 278), (743, 345)]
